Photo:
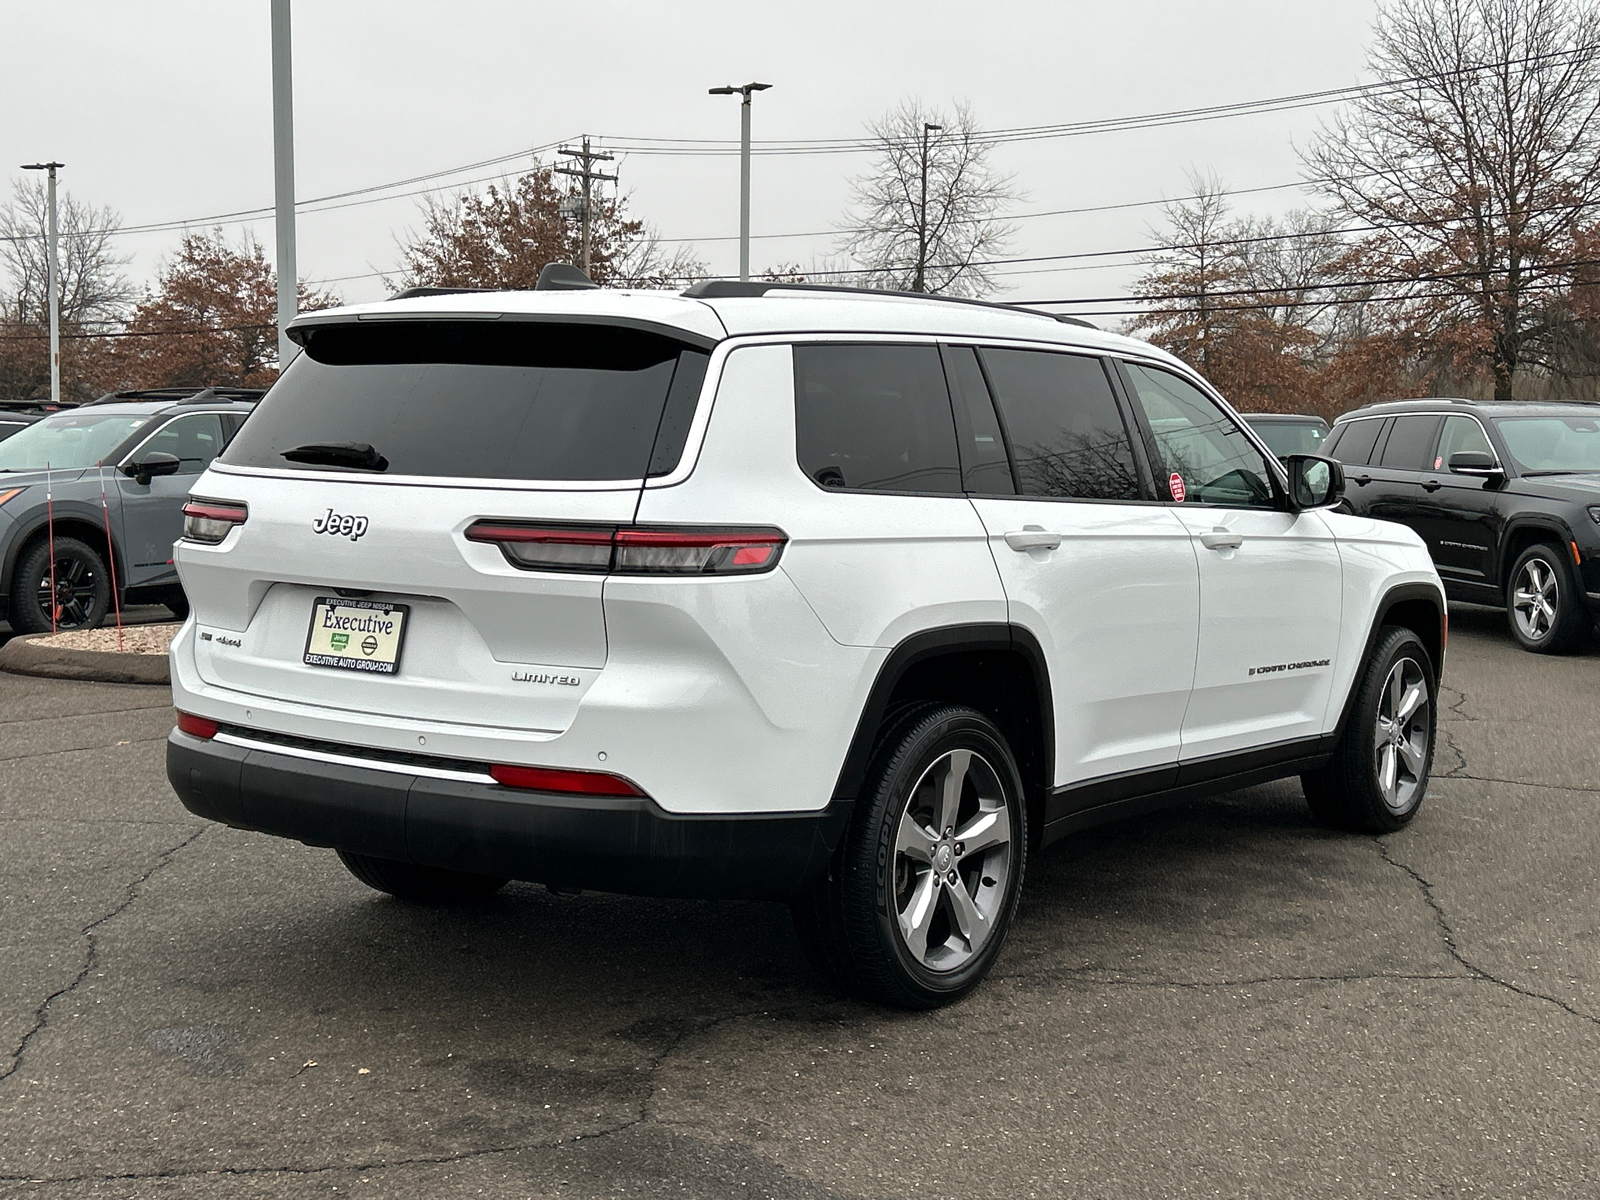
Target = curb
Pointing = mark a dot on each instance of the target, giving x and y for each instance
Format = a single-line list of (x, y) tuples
[(24, 656)]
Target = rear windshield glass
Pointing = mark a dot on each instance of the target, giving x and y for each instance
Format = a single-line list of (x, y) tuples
[(478, 400)]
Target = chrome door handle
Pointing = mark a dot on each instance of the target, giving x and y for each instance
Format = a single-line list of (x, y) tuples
[(1221, 539), (1033, 537)]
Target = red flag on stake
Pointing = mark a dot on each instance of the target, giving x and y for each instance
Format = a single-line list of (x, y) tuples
[(50, 521), (111, 556)]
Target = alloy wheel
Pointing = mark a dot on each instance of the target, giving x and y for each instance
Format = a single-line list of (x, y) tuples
[(953, 860), (1402, 735), (73, 600), (1534, 600)]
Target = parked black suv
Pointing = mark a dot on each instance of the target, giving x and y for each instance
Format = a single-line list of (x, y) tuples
[(1506, 494)]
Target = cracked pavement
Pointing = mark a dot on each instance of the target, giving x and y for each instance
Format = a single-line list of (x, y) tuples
[(1219, 1000)]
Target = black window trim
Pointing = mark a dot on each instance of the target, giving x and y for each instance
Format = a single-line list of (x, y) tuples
[(1280, 487)]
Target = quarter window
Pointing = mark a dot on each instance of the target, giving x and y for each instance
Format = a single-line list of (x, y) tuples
[(1199, 444), (1067, 437), (875, 418), (1353, 441)]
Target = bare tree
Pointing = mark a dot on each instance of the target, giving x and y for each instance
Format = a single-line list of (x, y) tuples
[(928, 215), (1195, 258), (1473, 161), (93, 288)]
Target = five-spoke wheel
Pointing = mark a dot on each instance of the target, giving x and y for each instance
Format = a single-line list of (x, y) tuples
[(72, 591), (1403, 736), (1546, 612)]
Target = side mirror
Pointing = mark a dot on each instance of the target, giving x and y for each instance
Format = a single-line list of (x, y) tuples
[(1475, 462), (1314, 481), (157, 462)]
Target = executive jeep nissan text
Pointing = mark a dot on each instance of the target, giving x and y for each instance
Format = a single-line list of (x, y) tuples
[(847, 600)]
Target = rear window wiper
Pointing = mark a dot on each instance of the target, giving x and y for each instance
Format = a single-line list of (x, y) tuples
[(339, 454)]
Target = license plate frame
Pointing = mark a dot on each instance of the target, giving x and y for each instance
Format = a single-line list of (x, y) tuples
[(371, 664)]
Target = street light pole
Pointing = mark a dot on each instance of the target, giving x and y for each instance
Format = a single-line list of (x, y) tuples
[(283, 177), (53, 269), (922, 212), (744, 167)]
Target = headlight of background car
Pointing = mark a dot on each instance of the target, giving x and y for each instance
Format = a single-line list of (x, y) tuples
[(11, 493), (1594, 514)]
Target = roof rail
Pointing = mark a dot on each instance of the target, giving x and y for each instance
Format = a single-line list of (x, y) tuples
[(727, 289), (411, 293), (215, 394)]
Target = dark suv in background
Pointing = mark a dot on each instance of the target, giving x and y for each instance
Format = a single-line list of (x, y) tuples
[(151, 446), (1506, 494)]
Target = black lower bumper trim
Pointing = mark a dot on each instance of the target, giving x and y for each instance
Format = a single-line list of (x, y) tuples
[(612, 844)]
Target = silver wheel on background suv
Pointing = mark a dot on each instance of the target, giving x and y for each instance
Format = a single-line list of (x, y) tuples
[(1534, 597)]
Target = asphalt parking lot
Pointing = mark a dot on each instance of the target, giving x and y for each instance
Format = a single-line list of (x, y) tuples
[(1220, 1001)]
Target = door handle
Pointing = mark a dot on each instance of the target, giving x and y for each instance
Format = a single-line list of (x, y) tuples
[(1033, 537), (1432, 485), (1362, 480), (1221, 539)]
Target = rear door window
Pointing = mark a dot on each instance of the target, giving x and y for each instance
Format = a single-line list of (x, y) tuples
[(1067, 436), (874, 418), (1410, 443), (482, 400)]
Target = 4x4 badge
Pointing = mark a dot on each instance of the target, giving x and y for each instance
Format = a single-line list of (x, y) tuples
[(340, 524)]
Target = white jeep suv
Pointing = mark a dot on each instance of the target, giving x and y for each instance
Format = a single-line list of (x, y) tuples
[(844, 599)]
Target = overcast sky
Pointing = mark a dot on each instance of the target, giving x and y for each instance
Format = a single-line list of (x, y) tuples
[(163, 110)]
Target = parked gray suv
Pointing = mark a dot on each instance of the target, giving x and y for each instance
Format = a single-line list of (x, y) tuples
[(114, 474)]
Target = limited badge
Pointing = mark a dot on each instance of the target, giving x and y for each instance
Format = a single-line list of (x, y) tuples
[(1175, 486)]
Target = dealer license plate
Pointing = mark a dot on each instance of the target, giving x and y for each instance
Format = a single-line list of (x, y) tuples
[(356, 635)]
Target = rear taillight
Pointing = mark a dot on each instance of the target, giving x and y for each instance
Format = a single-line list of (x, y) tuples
[(200, 727), (633, 550), (553, 779), (209, 521)]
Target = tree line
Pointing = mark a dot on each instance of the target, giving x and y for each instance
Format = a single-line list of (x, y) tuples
[(1452, 245)]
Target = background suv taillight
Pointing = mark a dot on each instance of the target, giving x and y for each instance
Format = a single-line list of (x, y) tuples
[(608, 549), (209, 521)]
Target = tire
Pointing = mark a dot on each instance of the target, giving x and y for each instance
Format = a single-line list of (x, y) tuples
[(1544, 604), (419, 885), (1352, 791), (886, 921), (83, 587)]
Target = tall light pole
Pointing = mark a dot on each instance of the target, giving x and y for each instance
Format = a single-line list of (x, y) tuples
[(283, 176), (922, 212), (53, 269), (744, 167)]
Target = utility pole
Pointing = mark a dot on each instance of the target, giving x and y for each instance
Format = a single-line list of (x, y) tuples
[(744, 167), (590, 176), (53, 269), (922, 212), (283, 177)]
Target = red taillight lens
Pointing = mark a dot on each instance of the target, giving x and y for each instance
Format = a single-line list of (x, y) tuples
[(209, 521), (633, 550), (553, 779), (200, 727)]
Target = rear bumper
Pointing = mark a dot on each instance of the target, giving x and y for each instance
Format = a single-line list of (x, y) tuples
[(629, 845)]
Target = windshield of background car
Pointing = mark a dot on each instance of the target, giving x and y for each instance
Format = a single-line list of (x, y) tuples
[(1542, 443), (1284, 438), (68, 441), (482, 400)]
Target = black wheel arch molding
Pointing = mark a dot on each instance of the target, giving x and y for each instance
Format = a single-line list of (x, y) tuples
[(1407, 601), (1542, 522)]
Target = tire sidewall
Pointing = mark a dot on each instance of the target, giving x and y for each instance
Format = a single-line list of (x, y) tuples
[(34, 566), (905, 763)]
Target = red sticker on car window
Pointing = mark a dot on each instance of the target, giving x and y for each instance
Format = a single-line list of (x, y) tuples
[(1175, 486)]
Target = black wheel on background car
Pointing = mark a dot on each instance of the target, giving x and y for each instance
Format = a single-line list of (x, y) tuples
[(920, 896), (1544, 606), (77, 595), (1379, 772), (420, 885)]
